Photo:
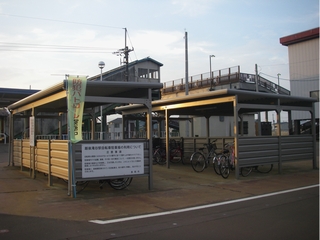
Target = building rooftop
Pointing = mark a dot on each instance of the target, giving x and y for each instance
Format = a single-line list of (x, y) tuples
[(300, 37)]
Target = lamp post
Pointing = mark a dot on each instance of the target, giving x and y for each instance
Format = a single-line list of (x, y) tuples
[(278, 82), (211, 87), (101, 66)]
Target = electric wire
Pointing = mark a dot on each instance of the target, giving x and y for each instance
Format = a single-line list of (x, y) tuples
[(61, 21), (27, 47)]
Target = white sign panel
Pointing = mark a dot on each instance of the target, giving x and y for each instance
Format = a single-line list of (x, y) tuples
[(31, 131), (112, 159)]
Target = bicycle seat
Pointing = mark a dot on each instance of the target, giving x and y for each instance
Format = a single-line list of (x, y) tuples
[(201, 148)]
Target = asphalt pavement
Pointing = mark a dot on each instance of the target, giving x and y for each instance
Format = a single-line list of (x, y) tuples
[(176, 188)]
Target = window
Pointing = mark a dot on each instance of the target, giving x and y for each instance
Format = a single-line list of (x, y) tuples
[(315, 94), (245, 127), (148, 73)]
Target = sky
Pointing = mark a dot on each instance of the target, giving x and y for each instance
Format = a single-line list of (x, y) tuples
[(41, 41)]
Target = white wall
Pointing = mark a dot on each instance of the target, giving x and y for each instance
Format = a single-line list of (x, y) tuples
[(304, 71)]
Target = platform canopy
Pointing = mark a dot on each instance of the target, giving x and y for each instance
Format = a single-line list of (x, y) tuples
[(221, 103), (99, 93), (9, 96)]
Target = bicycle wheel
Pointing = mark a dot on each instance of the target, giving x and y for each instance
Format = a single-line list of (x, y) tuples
[(224, 167), (172, 143), (157, 157), (120, 183), (175, 155), (245, 171), (216, 164), (198, 161), (81, 185), (264, 168)]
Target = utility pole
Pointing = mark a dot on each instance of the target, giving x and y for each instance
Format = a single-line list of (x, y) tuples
[(125, 51), (186, 59), (278, 83), (257, 87)]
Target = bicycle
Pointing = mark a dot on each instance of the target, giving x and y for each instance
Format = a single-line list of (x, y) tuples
[(227, 163), (175, 151), (201, 160), (117, 183), (159, 154), (261, 169)]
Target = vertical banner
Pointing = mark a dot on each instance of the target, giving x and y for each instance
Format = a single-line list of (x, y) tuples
[(76, 96)]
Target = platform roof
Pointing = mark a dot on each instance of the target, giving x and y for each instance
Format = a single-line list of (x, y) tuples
[(9, 96), (221, 102), (99, 93)]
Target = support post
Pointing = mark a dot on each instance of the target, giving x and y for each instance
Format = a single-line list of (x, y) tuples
[(236, 136)]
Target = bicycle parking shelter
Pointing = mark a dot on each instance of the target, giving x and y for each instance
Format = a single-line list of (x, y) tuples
[(63, 159), (248, 150)]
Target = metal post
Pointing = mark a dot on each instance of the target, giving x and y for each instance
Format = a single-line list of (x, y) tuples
[(101, 66), (256, 70), (211, 77), (186, 59), (278, 82)]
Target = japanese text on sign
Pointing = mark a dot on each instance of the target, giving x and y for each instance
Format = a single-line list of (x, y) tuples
[(114, 159), (76, 96)]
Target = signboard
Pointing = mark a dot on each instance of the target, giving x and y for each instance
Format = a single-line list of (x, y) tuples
[(112, 159)]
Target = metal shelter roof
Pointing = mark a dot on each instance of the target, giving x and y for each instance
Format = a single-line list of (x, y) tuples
[(220, 103), (9, 96), (98, 93)]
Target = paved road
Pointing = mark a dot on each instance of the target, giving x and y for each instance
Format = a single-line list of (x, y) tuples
[(284, 215)]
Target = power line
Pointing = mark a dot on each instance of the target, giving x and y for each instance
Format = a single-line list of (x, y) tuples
[(61, 21), (26, 47), (274, 76)]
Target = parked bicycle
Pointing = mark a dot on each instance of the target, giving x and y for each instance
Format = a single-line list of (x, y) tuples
[(117, 183), (227, 164), (261, 169), (201, 158), (175, 151)]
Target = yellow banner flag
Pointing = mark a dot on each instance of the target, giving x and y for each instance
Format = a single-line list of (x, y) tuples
[(75, 100)]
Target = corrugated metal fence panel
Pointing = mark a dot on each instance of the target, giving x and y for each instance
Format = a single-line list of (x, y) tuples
[(255, 151), (17, 152), (296, 148), (78, 159), (265, 150)]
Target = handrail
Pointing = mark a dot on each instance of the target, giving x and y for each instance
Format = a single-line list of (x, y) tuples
[(221, 77)]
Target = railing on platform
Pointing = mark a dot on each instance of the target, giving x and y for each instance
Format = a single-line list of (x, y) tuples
[(263, 82), (221, 77)]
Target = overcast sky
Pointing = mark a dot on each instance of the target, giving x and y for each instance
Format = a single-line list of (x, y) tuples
[(42, 40)]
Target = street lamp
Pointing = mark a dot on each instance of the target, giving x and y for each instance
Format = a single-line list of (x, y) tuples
[(101, 66), (210, 56), (278, 82)]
